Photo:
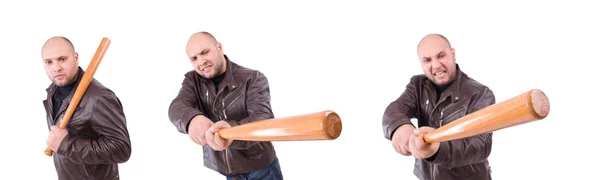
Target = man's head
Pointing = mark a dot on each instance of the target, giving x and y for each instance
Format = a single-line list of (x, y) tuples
[(437, 59), (60, 60), (206, 55)]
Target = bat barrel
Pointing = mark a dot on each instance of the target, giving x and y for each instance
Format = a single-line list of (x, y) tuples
[(527, 107), (324, 125)]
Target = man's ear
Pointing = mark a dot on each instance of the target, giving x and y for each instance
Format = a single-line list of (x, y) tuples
[(76, 57), (220, 47)]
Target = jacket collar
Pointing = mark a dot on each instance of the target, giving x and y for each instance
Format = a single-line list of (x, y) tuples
[(229, 79), (453, 91)]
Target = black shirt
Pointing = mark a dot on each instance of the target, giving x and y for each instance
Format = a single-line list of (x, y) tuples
[(59, 95), (217, 80), (441, 89)]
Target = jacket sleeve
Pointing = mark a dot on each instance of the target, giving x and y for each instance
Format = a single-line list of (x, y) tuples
[(112, 145), (258, 103), (185, 105), (400, 111), (469, 150)]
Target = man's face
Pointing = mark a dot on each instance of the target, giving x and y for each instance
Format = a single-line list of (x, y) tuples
[(437, 60), (206, 56), (60, 62)]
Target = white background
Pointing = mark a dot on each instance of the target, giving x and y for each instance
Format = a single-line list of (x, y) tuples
[(353, 58)]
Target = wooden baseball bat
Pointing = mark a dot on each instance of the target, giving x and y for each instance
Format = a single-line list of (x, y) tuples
[(83, 85), (527, 107), (324, 125)]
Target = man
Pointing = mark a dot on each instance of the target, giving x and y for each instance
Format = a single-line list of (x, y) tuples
[(96, 138), (441, 95), (218, 94)]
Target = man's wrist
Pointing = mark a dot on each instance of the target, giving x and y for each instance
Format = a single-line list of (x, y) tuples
[(63, 143), (432, 157)]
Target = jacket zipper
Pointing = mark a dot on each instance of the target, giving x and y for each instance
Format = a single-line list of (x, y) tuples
[(433, 172), (426, 110), (224, 113), (226, 150), (441, 117), (85, 170), (227, 160), (441, 113), (435, 105), (430, 117), (216, 98), (229, 105), (431, 113)]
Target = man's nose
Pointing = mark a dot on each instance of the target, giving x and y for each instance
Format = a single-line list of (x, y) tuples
[(435, 63), (56, 67), (200, 61)]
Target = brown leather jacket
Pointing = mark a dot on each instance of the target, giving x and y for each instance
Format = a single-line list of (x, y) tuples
[(458, 159), (97, 138), (243, 97)]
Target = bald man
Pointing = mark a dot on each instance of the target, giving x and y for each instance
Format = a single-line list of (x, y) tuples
[(441, 95), (96, 138), (219, 93)]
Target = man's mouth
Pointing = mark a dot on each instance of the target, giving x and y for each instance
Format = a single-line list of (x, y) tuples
[(205, 68), (439, 73)]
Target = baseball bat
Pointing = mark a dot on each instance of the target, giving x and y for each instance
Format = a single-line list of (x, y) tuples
[(324, 125), (524, 108), (83, 85)]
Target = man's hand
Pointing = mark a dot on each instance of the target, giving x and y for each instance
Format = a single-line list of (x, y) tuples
[(55, 137), (214, 140), (197, 129), (400, 139), (417, 145)]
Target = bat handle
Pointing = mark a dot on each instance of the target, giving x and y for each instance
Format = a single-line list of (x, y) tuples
[(48, 151)]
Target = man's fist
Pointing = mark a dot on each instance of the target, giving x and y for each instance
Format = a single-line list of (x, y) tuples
[(55, 137), (198, 126), (417, 145), (400, 139), (214, 140)]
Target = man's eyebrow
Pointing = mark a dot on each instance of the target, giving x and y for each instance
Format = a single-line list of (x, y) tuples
[(59, 57)]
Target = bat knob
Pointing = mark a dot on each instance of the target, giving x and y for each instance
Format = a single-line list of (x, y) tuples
[(333, 125), (48, 152)]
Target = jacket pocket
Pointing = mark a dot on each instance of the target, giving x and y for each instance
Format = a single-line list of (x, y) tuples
[(254, 152)]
